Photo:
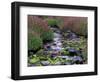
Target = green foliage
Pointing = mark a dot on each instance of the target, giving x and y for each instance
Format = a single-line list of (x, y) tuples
[(47, 36), (81, 43), (53, 60), (35, 42), (77, 45), (39, 33), (52, 22), (43, 58), (34, 59), (41, 55), (64, 52), (40, 52)]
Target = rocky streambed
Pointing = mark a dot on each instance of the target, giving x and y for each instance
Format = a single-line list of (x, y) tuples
[(63, 50)]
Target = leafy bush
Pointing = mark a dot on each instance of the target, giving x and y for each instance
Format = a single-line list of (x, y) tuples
[(47, 36), (52, 22), (35, 42)]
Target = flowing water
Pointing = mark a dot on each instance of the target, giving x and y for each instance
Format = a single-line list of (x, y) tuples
[(56, 46)]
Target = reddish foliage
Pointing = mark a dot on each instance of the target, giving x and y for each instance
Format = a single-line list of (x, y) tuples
[(37, 25), (35, 21), (76, 24)]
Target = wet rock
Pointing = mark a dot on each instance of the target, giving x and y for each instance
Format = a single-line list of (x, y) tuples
[(71, 36), (58, 63), (45, 52), (56, 48), (72, 51), (54, 54), (67, 63), (57, 35), (54, 44), (77, 60), (45, 63), (65, 57), (47, 47), (32, 52)]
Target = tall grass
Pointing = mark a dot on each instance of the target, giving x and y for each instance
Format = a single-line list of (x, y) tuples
[(38, 27), (75, 24)]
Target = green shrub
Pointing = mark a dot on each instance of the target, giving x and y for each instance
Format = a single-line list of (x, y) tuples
[(52, 22), (35, 42), (47, 36)]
